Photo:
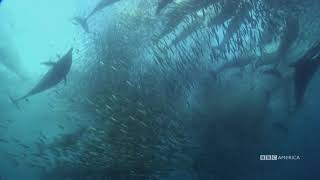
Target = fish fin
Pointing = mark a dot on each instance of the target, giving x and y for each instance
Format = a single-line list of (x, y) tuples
[(83, 23), (49, 63), (14, 102), (305, 68)]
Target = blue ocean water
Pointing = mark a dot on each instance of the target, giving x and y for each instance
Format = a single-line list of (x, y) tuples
[(159, 90)]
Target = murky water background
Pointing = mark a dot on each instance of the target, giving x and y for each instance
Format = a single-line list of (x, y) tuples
[(190, 92)]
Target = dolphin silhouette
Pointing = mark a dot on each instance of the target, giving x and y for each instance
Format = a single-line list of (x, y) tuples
[(101, 5), (56, 74), (305, 68)]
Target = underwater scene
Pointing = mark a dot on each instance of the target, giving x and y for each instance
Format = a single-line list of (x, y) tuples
[(159, 89)]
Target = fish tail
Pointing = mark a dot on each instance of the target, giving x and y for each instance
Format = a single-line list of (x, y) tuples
[(305, 68)]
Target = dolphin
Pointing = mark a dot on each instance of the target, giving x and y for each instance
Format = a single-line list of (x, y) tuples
[(101, 5), (304, 69), (162, 4), (56, 74)]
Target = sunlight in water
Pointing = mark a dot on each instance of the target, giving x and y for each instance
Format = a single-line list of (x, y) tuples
[(40, 29)]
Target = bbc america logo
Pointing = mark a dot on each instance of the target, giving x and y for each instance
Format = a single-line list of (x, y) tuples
[(269, 157), (277, 157)]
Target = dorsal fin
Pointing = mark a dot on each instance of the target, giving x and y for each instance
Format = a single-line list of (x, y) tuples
[(49, 63)]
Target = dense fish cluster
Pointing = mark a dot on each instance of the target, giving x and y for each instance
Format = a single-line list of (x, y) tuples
[(176, 85)]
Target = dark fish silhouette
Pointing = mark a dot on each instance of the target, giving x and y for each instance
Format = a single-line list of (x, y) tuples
[(291, 33), (305, 68), (56, 74), (101, 5)]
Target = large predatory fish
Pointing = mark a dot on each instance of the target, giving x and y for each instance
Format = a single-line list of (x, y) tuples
[(56, 74), (101, 5)]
